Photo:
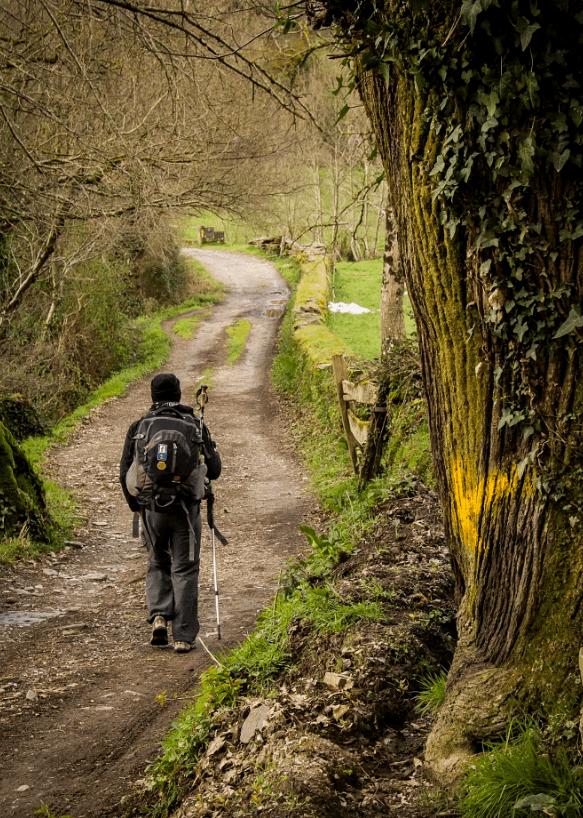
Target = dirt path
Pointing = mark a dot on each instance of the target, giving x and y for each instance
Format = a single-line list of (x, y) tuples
[(78, 679)]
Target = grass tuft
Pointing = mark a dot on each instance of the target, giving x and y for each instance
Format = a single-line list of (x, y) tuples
[(518, 777), (431, 692), (238, 334), (186, 327)]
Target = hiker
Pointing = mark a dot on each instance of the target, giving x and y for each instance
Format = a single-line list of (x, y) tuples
[(168, 458)]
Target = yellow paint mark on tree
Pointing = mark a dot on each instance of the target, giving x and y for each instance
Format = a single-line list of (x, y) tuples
[(473, 494)]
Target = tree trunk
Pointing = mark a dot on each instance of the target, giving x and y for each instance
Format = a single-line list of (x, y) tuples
[(510, 484), (392, 288), (319, 230)]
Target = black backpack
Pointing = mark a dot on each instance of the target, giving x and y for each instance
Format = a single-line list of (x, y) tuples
[(167, 470)]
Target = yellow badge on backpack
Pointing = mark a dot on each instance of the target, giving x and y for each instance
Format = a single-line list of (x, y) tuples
[(161, 465)]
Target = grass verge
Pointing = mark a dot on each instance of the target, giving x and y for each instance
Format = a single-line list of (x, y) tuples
[(248, 669)]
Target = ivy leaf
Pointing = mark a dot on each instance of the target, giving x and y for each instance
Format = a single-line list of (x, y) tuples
[(521, 468), (438, 167), (492, 100), (526, 31), (576, 113), (510, 419), (526, 154), (470, 11), (528, 432), (573, 321), (559, 159), (537, 803), (573, 234), (342, 113), (454, 135)]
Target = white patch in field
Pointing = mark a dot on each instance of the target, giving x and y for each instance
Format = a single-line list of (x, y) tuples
[(352, 308)]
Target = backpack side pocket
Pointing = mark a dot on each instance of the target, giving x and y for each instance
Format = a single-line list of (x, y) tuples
[(194, 486)]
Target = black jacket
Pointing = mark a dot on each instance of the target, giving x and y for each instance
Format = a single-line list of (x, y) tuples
[(210, 453)]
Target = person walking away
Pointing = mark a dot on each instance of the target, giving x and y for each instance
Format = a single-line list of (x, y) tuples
[(167, 456)]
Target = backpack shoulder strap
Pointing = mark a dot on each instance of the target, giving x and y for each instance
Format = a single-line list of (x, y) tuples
[(170, 411)]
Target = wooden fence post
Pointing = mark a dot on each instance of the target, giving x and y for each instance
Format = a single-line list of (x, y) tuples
[(340, 371)]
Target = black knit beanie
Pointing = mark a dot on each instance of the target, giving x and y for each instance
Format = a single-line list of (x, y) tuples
[(165, 388)]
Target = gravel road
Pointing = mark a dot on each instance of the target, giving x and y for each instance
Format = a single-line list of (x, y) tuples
[(81, 711)]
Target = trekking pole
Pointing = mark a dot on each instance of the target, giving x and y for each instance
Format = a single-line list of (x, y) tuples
[(210, 500), (202, 400), (216, 584)]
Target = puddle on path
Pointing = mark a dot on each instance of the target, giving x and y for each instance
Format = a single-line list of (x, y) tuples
[(24, 618)]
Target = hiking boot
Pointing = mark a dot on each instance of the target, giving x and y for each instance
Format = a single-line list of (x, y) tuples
[(182, 647), (159, 632)]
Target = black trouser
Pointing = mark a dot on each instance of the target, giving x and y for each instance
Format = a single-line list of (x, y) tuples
[(172, 578)]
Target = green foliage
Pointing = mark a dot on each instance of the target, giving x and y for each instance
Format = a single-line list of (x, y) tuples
[(66, 340), (519, 777), (289, 269), (409, 447), (238, 334), (204, 288), (158, 273), (431, 692), (285, 370), (152, 351), (20, 417), (323, 608)]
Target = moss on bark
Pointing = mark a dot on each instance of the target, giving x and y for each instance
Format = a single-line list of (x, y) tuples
[(22, 502), (504, 415)]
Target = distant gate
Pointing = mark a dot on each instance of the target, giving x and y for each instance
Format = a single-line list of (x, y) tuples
[(208, 235)]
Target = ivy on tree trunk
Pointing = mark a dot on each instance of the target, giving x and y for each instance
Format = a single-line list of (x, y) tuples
[(477, 113)]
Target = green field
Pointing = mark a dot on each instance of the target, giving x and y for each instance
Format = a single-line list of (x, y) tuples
[(360, 282)]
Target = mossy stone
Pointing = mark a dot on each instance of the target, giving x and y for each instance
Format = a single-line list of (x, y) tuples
[(22, 499)]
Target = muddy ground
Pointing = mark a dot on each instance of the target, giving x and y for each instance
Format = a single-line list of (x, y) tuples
[(82, 708)]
